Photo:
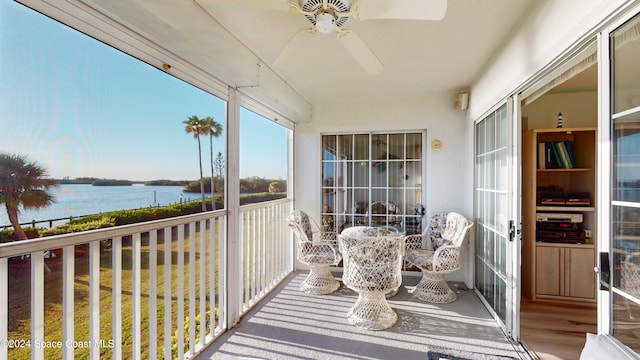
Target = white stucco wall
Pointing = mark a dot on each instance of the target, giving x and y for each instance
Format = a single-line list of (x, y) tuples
[(446, 187)]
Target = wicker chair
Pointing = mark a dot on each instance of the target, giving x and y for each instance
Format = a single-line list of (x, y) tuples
[(437, 252), (318, 249), (372, 267)]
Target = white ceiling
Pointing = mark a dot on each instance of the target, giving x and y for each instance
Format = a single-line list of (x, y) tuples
[(420, 58)]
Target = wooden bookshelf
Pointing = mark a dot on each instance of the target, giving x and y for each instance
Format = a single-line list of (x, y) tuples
[(559, 271)]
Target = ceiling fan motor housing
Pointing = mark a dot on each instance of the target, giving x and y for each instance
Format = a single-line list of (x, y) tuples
[(336, 6)]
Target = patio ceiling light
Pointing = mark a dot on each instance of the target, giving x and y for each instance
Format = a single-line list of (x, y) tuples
[(325, 22)]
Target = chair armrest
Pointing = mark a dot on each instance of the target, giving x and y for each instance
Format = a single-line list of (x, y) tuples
[(337, 255), (413, 242), (328, 236), (311, 249), (446, 258)]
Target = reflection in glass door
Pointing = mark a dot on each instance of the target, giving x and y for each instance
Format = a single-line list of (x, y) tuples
[(625, 192), (492, 245)]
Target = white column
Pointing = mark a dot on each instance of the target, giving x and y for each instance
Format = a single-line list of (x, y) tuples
[(233, 259)]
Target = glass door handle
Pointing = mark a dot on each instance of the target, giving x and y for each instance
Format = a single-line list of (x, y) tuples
[(604, 270)]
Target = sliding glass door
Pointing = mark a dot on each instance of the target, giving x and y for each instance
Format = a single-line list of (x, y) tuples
[(496, 208), (625, 184)]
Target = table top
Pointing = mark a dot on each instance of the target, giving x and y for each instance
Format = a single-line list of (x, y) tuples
[(391, 228)]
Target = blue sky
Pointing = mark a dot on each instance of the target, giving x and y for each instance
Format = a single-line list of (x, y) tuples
[(81, 108)]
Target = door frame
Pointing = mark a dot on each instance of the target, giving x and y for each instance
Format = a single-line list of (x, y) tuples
[(515, 281)]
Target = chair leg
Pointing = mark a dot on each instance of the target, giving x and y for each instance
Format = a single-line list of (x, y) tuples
[(372, 311), (434, 289), (319, 281)]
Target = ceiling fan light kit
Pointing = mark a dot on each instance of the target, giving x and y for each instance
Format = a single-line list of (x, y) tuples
[(325, 23)]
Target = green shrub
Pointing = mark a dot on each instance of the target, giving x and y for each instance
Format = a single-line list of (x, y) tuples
[(124, 217), (261, 197), (8, 234), (77, 226), (174, 338)]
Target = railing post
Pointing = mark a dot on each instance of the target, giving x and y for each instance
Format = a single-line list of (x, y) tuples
[(153, 311), (223, 277), (136, 268), (116, 296), (94, 298), (166, 270), (203, 262), (4, 307), (192, 286), (180, 292), (37, 305), (68, 301)]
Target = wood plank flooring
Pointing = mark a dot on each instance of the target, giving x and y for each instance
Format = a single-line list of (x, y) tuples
[(556, 331)]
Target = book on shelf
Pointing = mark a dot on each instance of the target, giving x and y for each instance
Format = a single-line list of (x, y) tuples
[(557, 158), (542, 155), (564, 155), (567, 145), (555, 155)]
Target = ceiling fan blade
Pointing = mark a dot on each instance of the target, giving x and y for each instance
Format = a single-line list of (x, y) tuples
[(361, 52), (296, 42), (270, 5), (402, 10)]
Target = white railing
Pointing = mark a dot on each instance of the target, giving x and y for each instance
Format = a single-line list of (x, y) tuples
[(132, 291), (266, 250)]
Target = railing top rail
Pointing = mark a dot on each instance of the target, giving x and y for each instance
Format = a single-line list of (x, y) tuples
[(18, 248), (265, 203)]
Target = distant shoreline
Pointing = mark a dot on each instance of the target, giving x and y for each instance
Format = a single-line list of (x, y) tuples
[(116, 182)]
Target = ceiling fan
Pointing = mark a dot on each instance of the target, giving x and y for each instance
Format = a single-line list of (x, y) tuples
[(329, 16)]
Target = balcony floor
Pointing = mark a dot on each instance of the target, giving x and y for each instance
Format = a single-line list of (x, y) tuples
[(289, 324)]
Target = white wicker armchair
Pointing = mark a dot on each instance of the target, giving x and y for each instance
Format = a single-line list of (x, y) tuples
[(437, 252), (372, 267), (318, 249)]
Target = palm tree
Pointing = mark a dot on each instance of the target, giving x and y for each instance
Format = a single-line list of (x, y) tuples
[(213, 129), (194, 125), (23, 183)]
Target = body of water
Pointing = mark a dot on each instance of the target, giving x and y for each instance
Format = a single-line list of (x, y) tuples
[(76, 200)]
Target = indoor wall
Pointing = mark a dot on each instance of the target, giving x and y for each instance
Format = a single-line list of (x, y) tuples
[(579, 109)]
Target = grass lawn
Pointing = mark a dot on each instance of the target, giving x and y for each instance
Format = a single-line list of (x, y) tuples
[(19, 298)]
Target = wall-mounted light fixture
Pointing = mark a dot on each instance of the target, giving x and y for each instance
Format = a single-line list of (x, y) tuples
[(461, 100)]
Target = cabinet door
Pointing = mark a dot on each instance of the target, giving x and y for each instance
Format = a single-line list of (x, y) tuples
[(580, 277), (548, 270)]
